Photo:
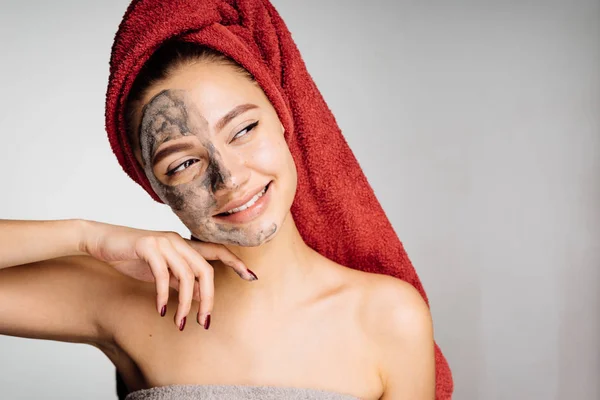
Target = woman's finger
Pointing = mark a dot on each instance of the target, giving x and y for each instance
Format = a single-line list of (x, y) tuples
[(215, 251), (148, 252), (197, 291), (186, 277), (174, 283), (205, 274)]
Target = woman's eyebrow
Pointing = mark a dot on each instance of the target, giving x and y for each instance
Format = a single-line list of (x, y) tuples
[(181, 146), (242, 108), (166, 151)]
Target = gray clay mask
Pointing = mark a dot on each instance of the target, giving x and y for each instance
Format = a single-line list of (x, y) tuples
[(171, 115)]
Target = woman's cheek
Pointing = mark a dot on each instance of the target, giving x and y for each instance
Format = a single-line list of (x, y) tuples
[(268, 154), (196, 200)]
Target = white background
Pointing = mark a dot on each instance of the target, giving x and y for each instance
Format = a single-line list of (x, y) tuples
[(476, 122)]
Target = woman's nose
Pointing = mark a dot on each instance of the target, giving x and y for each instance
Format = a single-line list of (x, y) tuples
[(233, 173)]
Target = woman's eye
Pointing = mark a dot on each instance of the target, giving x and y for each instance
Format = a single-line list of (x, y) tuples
[(182, 166), (245, 130)]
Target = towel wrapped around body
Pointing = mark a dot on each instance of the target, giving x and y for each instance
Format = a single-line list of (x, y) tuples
[(234, 392)]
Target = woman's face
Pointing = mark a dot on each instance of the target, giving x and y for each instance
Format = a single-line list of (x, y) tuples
[(212, 147)]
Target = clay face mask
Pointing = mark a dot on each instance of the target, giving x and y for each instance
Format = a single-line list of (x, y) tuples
[(172, 115)]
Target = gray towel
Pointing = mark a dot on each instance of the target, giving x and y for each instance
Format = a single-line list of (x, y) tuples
[(234, 392)]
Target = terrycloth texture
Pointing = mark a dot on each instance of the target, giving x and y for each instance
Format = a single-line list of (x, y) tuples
[(234, 392), (335, 208)]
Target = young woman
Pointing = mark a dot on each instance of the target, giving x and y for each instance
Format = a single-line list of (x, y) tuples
[(275, 318)]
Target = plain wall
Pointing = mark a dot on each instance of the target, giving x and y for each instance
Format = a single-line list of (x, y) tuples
[(476, 122)]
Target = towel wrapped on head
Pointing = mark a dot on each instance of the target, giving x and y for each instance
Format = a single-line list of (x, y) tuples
[(335, 208)]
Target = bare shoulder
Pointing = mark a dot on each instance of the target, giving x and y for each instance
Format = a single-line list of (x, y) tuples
[(397, 323), (390, 306), (400, 301), (387, 308)]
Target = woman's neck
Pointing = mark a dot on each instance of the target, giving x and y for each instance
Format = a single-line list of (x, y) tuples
[(282, 265)]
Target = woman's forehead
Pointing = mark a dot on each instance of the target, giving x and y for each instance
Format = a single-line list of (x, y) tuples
[(213, 89)]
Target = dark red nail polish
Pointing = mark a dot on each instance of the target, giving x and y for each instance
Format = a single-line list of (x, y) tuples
[(253, 274), (182, 324), (163, 311), (207, 322)]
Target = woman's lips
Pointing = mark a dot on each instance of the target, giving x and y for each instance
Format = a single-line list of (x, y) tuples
[(249, 213)]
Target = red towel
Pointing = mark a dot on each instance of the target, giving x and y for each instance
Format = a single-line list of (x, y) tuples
[(335, 208)]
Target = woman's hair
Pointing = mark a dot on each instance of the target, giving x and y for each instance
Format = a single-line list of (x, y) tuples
[(166, 59)]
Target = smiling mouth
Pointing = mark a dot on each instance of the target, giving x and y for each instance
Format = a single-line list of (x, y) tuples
[(246, 205)]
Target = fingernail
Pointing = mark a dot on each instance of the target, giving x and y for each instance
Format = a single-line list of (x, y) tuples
[(163, 311), (182, 324), (207, 322), (253, 274)]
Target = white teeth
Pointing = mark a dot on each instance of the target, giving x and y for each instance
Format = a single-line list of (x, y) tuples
[(250, 203)]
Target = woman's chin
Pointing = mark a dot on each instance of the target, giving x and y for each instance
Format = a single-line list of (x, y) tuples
[(246, 235), (256, 236)]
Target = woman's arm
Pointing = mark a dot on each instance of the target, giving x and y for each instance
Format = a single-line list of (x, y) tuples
[(23, 242), (60, 279), (50, 288), (66, 299)]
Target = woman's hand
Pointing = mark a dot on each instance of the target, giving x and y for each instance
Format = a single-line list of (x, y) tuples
[(167, 259)]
